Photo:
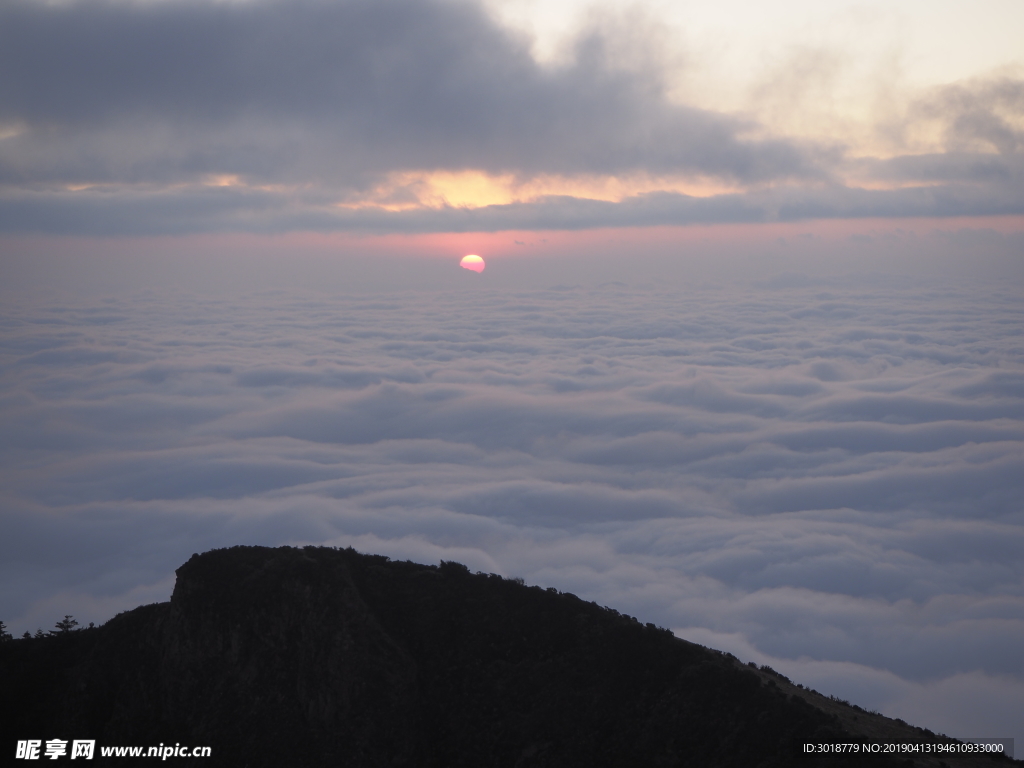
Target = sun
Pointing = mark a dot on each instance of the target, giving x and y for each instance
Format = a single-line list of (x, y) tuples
[(473, 262)]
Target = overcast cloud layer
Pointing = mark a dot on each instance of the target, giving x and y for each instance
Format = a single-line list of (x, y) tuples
[(155, 118), (825, 479)]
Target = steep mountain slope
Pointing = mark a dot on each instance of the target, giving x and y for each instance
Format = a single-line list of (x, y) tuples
[(317, 657)]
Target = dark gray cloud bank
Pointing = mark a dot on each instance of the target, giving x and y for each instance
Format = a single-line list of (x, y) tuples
[(827, 479), (310, 103)]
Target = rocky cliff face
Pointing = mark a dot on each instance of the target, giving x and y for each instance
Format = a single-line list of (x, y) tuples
[(323, 657)]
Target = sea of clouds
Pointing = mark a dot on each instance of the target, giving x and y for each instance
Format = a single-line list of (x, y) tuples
[(824, 478)]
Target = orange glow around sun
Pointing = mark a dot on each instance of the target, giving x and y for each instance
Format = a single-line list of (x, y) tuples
[(409, 190), (473, 262)]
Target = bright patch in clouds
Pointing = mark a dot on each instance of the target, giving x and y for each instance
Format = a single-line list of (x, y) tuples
[(843, 69), (474, 189)]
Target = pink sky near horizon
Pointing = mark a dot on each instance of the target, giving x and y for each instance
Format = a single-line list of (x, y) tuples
[(971, 248), (508, 243)]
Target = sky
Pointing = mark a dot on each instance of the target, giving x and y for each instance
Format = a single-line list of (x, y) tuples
[(745, 360), (425, 116)]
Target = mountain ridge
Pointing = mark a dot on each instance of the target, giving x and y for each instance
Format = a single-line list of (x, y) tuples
[(318, 656)]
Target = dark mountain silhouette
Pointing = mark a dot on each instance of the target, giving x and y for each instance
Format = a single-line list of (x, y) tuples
[(324, 657)]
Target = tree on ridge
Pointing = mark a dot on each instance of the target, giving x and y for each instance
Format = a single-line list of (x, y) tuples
[(65, 625)]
